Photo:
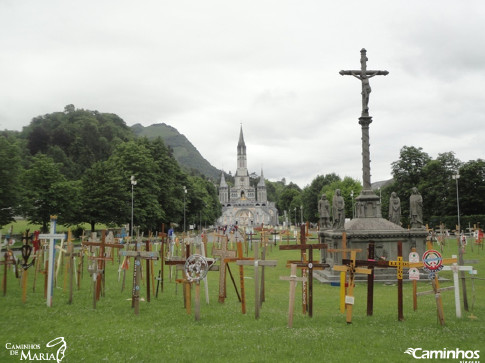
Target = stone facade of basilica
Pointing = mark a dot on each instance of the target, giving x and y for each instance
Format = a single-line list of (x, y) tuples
[(243, 204)]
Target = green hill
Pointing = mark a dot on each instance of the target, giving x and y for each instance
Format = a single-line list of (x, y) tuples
[(184, 152)]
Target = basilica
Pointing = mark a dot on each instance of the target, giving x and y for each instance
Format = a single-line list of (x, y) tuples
[(243, 204)]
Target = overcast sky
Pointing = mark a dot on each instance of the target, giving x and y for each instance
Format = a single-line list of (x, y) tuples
[(205, 67)]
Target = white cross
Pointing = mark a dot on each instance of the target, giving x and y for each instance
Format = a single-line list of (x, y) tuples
[(455, 268), (52, 237)]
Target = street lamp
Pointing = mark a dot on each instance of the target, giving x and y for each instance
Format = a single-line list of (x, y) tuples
[(133, 183), (185, 193), (295, 216), (301, 213), (456, 177)]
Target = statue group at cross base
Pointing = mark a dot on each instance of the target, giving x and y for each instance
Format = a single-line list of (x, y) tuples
[(338, 210)]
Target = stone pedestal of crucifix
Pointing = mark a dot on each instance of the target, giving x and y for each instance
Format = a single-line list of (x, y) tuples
[(368, 223)]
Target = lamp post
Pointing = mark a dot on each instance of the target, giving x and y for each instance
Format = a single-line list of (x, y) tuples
[(295, 216), (301, 214), (456, 177), (133, 183), (185, 192)]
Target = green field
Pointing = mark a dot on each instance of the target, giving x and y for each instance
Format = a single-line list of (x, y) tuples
[(164, 332)]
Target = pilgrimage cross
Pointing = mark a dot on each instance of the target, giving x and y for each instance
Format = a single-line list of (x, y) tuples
[(52, 237), (399, 264), (365, 120), (224, 254), (293, 280), (71, 263), (256, 263), (309, 265), (26, 251), (101, 262), (138, 255), (240, 257), (351, 268)]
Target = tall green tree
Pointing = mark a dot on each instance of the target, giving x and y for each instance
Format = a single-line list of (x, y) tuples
[(437, 185), (472, 187), (105, 195), (134, 159), (407, 173), (290, 200), (10, 171), (46, 192)]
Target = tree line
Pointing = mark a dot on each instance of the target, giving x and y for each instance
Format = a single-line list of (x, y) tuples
[(434, 179), (78, 164)]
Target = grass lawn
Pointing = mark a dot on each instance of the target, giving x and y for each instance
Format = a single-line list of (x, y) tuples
[(164, 332)]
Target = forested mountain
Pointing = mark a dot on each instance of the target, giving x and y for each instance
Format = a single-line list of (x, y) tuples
[(79, 165), (184, 152)]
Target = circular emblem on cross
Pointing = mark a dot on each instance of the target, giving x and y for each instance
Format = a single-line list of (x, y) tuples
[(433, 262)]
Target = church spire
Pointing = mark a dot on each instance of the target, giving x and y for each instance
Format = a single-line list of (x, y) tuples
[(241, 145), (261, 180), (242, 163), (223, 181)]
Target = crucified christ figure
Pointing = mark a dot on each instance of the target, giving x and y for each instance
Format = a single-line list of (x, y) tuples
[(363, 75)]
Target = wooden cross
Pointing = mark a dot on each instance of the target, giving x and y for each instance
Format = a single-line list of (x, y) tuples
[(164, 242), (51, 237), (309, 265), (101, 260), (26, 251), (293, 280), (138, 255), (256, 263), (437, 293), (8, 259), (223, 253), (363, 75), (399, 264), (240, 257), (351, 269), (71, 263), (178, 261), (196, 268), (343, 274)]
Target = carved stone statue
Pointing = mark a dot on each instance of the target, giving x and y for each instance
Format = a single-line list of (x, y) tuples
[(395, 209), (324, 212), (338, 210), (416, 209)]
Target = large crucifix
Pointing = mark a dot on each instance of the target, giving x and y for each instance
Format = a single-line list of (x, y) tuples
[(363, 75)]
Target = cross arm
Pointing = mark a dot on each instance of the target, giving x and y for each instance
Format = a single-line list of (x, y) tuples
[(317, 246), (257, 262), (143, 254), (374, 263), (367, 73)]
